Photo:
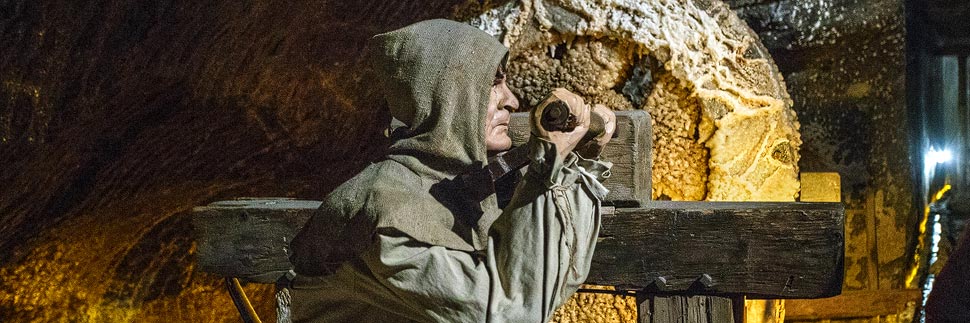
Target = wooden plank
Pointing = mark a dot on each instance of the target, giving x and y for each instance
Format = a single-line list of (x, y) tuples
[(681, 308), (720, 309), (248, 238), (853, 304), (630, 153), (774, 250), (667, 309), (763, 250), (872, 244)]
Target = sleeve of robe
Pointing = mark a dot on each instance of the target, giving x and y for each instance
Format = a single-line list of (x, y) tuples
[(538, 254), (541, 247)]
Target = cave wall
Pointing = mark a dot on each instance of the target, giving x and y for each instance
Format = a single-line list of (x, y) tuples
[(845, 66), (117, 117)]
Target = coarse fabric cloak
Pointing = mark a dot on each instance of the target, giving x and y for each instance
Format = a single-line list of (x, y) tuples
[(411, 239), (436, 77)]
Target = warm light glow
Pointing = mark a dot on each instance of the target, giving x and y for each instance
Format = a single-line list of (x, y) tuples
[(911, 277), (934, 156)]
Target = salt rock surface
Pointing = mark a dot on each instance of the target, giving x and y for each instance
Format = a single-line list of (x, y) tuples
[(718, 70), (589, 67), (723, 125), (682, 173)]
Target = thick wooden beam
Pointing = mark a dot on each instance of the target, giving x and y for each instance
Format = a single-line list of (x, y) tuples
[(762, 250), (630, 152), (772, 250), (853, 304), (248, 238)]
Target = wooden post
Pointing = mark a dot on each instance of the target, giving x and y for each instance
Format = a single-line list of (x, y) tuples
[(681, 309), (630, 152)]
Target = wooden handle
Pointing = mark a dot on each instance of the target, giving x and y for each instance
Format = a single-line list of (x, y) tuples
[(556, 117)]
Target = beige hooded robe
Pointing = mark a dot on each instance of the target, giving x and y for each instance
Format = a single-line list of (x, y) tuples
[(404, 241)]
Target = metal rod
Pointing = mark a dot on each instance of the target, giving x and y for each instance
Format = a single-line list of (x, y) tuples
[(245, 308)]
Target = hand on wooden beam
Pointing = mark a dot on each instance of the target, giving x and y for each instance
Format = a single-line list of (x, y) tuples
[(592, 147)]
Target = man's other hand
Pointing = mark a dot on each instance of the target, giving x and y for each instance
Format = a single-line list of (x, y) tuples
[(593, 148)]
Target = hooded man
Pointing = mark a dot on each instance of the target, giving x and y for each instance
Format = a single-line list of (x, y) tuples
[(412, 239)]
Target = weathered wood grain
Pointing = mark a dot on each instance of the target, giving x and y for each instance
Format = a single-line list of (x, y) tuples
[(762, 250), (629, 152), (248, 238), (774, 250), (694, 309), (853, 304)]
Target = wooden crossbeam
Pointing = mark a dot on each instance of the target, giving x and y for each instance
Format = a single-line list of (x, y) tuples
[(770, 250), (248, 238), (762, 250)]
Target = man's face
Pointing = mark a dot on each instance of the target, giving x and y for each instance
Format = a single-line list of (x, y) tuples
[(500, 103)]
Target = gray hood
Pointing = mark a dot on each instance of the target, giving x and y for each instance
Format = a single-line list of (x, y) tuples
[(436, 77)]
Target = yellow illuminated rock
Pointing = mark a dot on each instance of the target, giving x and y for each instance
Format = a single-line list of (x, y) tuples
[(591, 68), (720, 109), (821, 187), (723, 125), (680, 159)]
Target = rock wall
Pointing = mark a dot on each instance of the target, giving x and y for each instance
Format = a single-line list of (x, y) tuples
[(709, 83), (845, 66), (117, 117), (722, 120)]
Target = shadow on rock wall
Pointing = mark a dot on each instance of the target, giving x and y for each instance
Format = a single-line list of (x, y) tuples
[(117, 117)]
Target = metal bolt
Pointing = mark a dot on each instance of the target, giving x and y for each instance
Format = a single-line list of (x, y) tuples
[(706, 280), (659, 282)]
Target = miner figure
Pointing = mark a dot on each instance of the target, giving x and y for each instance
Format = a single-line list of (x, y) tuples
[(411, 238)]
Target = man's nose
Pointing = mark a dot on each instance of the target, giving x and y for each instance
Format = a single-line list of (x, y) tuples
[(509, 101)]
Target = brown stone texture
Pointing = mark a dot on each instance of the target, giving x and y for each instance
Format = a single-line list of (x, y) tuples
[(722, 118), (117, 117), (591, 68), (681, 174), (844, 65)]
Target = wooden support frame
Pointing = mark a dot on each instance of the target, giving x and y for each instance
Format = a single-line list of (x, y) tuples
[(685, 260), (762, 250), (629, 151)]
